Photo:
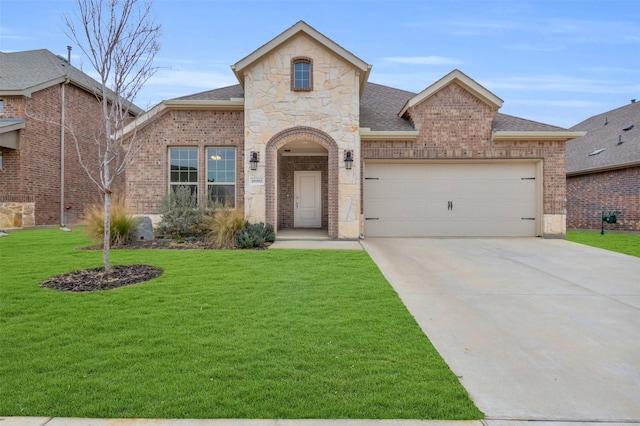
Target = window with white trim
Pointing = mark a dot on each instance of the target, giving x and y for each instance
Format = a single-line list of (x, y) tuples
[(221, 176), (183, 170)]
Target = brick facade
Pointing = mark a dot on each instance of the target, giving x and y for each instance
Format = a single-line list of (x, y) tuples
[(148, 180), (455, 125), (590, 194), (33, 170)]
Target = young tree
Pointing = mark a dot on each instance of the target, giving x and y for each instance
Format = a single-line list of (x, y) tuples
[(120, 40)]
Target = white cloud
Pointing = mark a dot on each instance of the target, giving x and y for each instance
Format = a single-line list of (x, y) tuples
[(422, 60)]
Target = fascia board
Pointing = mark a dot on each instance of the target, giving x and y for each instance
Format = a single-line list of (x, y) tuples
[(142, 120), (501, 136), (12, 127), (230, 105), (604, 168), (28, 91)]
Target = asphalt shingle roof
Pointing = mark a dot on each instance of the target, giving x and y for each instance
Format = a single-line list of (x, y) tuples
[(221, 94), (379, 108), (23, 71), (509, 123), (604, 131)]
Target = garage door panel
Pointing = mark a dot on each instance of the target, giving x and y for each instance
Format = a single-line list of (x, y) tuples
[(459, 199)]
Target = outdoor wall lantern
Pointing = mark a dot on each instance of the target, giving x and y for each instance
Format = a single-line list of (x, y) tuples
[(348, 160), (253, 161)]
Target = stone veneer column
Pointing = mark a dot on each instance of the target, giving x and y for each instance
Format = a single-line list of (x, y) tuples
[(332, 107)]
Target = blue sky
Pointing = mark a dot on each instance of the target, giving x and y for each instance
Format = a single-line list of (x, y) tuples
[(554, 61)]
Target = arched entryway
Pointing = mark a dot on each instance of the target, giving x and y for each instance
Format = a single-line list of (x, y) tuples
[(296, 154)]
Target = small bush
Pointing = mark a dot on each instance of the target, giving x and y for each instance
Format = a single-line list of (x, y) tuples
[(255, 235), (123, 224), (181, 215), (223, 225)]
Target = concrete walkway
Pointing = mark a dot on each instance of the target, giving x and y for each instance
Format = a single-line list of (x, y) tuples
[(316, 239), (535, 329)]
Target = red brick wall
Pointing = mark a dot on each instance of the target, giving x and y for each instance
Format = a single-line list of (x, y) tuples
[(147, 181), (589, 195), (454, 124), (34, 169)]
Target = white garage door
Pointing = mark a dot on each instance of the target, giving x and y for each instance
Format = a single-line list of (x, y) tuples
[(450, 199)]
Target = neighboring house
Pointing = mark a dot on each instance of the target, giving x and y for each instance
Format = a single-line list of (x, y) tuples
[(603, 170), (40, 93), (305, 141)]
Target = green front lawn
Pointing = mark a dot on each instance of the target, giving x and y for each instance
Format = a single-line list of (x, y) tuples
[(622, 243), (221, 334)]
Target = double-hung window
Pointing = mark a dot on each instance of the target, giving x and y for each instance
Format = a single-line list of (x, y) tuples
[(301, 74), (184, 169), (221, 176)]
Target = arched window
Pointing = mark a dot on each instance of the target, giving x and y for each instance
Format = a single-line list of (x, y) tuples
[(301, 74)]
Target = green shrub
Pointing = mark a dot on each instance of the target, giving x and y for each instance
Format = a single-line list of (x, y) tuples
[(181, 217), (255, 235), (223, 225), (123, 224)]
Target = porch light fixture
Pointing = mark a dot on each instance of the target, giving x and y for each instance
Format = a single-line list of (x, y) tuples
[(348, 160), (253, 161)]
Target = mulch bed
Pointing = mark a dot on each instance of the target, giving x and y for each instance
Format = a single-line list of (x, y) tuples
[(96, 279)]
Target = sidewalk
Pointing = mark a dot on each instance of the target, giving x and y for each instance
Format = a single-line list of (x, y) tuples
[(62, 421), (65, 421)]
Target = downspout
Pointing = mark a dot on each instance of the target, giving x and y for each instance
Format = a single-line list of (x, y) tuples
[(62, 128)]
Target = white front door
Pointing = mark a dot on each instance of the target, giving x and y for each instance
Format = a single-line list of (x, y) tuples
[(307, 205)]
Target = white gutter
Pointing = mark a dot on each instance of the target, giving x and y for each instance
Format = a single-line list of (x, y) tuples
[(604, 168), (371, 135), (536, 135)]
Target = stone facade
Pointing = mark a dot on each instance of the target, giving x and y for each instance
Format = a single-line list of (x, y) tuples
[(16, 214), (332, 107), (616, 190)]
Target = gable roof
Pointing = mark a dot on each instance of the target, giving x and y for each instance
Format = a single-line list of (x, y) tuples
[(23, 73), (302, 27), (605, 132), (460, 78)]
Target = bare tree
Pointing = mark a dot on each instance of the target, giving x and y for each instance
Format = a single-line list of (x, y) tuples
[(120, 40)]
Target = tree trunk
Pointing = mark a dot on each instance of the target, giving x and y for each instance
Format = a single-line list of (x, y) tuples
[(107, 231)]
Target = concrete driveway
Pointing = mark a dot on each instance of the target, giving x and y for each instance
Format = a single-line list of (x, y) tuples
[(535, 329)]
